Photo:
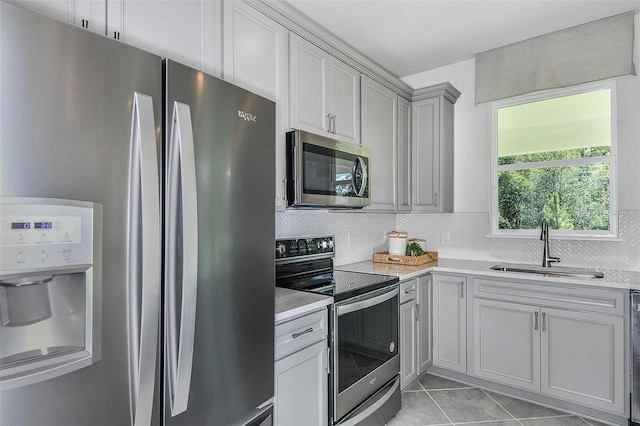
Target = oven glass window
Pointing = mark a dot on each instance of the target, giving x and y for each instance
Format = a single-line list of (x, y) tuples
[(330, 172), (367, 339)]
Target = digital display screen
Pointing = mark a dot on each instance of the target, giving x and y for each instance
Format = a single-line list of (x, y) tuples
[(20, 225), (43, 225)]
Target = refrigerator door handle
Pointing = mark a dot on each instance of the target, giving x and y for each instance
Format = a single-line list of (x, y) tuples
[(143, 260), (182, 233)]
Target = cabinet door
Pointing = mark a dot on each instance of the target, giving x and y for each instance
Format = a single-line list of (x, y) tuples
[(379, 134), (404, 154), (302, 387), (181, 30), (308, 68), (343, 100), (92, 12), (449, 323), (255, 59), (425, 155), (506, 343), (425, 306), (582, 358), (408, 343)]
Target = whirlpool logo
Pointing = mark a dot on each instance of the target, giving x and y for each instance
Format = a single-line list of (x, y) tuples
[(246, 116)]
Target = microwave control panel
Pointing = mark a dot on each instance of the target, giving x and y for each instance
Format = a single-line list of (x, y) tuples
[(44, 236)]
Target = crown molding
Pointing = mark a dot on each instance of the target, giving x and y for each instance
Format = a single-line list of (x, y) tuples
[(293, 20), (443, 89)]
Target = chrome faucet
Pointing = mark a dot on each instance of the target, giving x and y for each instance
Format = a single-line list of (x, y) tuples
[(544, 236)]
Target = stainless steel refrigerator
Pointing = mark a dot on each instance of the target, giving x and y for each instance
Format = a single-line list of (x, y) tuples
[(174, 309)]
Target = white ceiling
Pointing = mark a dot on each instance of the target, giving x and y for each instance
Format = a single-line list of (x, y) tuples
[(410, 36)]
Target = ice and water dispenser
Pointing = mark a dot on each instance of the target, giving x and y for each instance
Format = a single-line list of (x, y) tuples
[(50, 288)]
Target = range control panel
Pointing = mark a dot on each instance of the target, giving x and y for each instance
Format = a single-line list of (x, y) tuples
[(297, 247), (43, 235)]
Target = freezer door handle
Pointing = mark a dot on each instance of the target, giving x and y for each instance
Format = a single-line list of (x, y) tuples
[(143, 260), (182, 257)]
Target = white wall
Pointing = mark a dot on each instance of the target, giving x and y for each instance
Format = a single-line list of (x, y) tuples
[(472, 180)]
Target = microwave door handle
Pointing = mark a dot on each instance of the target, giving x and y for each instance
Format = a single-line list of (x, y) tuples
[(359, 191), (143, 260), (181, 186)]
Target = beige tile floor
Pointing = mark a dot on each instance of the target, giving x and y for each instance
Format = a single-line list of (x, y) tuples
[(432, 400)]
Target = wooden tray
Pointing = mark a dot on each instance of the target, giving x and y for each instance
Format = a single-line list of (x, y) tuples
[(384, 257)]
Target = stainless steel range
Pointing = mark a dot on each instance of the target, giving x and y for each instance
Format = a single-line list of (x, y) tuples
[(365, 365)]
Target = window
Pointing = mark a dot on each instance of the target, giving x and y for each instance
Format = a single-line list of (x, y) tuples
[(554, 157)]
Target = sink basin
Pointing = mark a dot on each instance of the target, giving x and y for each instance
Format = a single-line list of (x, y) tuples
[(560, 271)]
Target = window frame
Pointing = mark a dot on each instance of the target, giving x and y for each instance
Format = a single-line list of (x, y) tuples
[(612, 233)]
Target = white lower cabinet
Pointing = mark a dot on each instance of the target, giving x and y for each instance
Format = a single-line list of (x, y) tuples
[(506, 343), (567, 354), (450, 322), (301, 387), (425, 306), (415, 328), (408, 333), (583, 358), (301, 370)]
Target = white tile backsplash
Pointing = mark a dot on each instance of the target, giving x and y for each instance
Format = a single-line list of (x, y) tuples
[(359, 235)]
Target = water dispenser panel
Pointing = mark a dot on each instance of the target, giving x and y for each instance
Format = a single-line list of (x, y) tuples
[(34, 236)]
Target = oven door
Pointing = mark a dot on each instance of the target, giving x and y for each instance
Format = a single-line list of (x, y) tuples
[(364, 348), (327, 172)]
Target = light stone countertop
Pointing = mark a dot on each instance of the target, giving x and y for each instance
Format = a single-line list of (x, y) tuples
[(294, 303), (627, 280)]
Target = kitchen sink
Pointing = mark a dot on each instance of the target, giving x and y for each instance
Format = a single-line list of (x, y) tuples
[(560, 271)]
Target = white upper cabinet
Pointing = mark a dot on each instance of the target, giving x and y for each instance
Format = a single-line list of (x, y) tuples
[(379, 134), (90, 14), (181, 30), (324, 92), (432, 149), (254, 51), (255, 58), (343, 100), (404, 154)]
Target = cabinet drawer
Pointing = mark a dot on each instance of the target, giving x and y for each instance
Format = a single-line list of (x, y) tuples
[(408, 291), (301, 332), (593, 300)]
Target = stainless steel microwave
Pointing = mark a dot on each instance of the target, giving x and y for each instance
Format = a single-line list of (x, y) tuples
[(326, 173)]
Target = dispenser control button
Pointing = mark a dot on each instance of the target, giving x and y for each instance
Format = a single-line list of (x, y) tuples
[(43, 256), (20, 257), (43, 237), (20, 239), (66, 237), (66, 253), (56, 225)]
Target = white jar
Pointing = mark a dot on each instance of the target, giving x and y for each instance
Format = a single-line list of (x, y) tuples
[(397, 243)]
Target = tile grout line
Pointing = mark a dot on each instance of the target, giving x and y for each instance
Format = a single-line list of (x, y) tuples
[(500, 405), (437, 405)]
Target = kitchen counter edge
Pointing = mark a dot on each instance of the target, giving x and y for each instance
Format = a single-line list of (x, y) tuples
[(291, 304), (615, 279)]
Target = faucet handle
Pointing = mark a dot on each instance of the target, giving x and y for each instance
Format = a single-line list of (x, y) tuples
[(554, 259)]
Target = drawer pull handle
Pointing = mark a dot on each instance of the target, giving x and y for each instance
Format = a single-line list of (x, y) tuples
[(307, 331), (410, 290), (535, 327)]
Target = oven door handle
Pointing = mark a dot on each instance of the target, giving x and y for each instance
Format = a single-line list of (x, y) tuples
[(366, 302)]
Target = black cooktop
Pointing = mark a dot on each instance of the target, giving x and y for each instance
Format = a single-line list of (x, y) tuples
[(307, 264)]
